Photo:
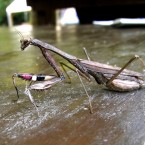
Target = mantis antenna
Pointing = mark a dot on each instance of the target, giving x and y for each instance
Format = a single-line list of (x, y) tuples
[(19, 33)]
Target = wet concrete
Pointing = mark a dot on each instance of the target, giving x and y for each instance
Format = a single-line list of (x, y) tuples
[(118, 118)]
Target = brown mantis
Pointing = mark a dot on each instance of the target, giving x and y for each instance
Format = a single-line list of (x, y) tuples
[(114, 78)]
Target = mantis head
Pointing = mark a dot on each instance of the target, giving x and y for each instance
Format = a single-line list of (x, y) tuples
[(25, 43)]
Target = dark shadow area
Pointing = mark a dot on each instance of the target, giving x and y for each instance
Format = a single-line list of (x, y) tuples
[(89, 10)]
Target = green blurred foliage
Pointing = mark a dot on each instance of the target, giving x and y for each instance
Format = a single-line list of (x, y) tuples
[(21, 17), (18, 18), (3, 5)]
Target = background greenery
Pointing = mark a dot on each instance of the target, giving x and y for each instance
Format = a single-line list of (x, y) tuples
[(17, 17), (3, 5)]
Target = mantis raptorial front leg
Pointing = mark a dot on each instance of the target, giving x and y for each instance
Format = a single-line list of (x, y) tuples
[(28, 93), (46, 81)]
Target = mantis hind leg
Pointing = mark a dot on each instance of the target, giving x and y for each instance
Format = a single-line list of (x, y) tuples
[(124, 67)]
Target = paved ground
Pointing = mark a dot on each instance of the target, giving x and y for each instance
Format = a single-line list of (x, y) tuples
[(118, 118)]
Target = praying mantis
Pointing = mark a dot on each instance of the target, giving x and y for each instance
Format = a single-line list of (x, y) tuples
[(113, 78)]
